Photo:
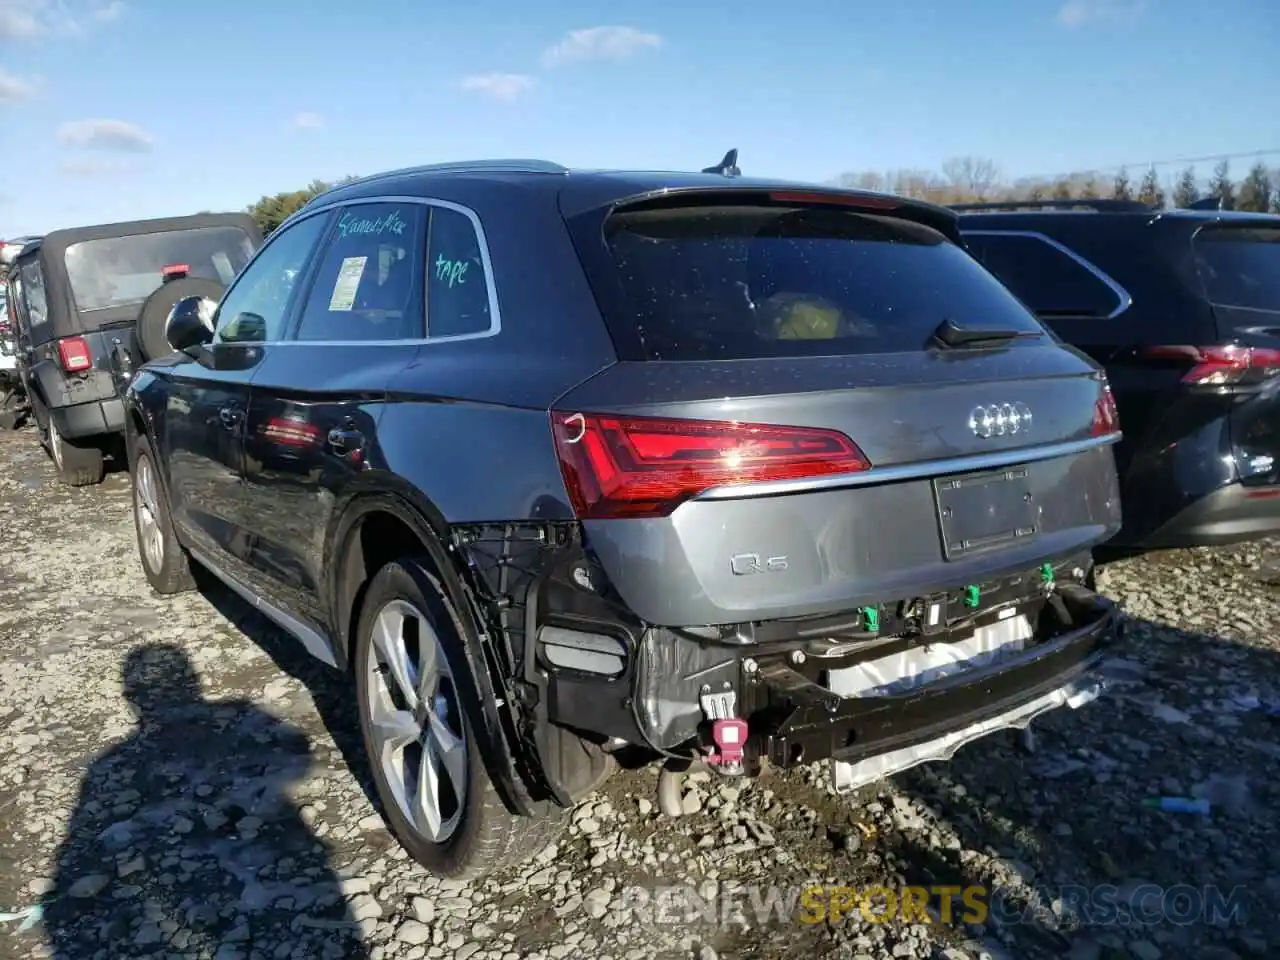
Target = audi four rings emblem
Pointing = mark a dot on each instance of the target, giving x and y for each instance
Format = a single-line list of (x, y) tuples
[(1000, 419)]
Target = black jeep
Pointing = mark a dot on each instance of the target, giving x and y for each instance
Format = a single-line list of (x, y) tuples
[(91, 304)]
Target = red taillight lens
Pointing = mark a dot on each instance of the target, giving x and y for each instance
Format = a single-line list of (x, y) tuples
[(645, 467), (1106, 419), (1220, 366), (291, 433), (175, 270), (73, 354)]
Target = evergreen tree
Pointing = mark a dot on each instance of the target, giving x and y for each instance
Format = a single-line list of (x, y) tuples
[(1222, 187), (1186, 192), (1255, 191), (1122, 189), (1149, 192)]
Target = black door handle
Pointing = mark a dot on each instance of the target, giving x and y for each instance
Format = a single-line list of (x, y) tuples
[(229, 416)]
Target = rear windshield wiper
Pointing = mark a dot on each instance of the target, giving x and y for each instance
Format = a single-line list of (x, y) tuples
[(951, 334)]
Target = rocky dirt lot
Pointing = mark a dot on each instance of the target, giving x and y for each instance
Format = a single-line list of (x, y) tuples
[(177, 779)]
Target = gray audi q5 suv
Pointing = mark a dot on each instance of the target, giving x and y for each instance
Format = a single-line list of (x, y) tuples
[(692, 467)]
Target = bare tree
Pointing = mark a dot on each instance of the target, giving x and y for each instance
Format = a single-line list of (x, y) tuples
[(972, 176)]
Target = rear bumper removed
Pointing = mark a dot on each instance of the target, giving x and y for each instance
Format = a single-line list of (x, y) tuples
[(875, 700), (873, 734)]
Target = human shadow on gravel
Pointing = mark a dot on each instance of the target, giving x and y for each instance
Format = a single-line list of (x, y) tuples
[(184, 840), (332, 691), (1067, 818)]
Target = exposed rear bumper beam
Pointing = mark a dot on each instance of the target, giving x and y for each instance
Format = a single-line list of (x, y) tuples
[(820, 724)]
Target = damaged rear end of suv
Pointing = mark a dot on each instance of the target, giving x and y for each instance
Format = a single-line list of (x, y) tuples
[(565, 467), (837, 498)]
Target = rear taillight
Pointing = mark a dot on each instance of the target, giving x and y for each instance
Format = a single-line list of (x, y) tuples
[(1220, 366), (174, 271), (73, 354), (291, 433), (645, 467), (1106, 419)]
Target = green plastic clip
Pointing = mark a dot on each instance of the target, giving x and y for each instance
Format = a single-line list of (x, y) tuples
[(871, 619), (972, 596), (1046, 573)]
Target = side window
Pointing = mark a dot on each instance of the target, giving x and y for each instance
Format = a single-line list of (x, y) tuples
[(33, 297), (457, 287), (253, 310), (369, 283), (1050, 281)]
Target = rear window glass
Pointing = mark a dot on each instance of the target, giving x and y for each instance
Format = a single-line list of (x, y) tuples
[(119, 271), (1240, 267), (1046, 278), (741, 281)]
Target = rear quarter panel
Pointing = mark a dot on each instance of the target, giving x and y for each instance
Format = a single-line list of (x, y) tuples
[(466, 422)]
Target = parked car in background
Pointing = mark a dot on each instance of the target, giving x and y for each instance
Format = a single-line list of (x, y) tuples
[(556, 462), (9, 249), (1182, 308), (91, 304), (12, 398)]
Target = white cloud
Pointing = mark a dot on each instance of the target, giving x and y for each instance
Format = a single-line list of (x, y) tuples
[(306, 120), (114, 135), (599, 43), (27, 19), (18, 20), (498, 86), (15, 89), (1076, 13), (107, 12)]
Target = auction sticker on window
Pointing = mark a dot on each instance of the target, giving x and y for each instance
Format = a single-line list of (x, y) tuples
[(344, 289)]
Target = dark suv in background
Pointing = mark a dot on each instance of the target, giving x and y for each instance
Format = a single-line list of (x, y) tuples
[(90, 305), (1182, 309), (558, 462)]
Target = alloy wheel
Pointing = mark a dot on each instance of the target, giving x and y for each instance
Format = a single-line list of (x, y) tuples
[(416, 721), (55, 443), (147, 504)]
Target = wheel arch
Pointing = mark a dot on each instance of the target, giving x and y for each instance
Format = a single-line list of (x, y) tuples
[(376, 526)]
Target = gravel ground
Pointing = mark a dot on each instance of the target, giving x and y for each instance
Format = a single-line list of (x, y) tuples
[(177, 779)]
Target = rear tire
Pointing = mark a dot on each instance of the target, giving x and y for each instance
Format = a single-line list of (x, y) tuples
[(418, 733), (79, 464), (12, 410), (164, 560)]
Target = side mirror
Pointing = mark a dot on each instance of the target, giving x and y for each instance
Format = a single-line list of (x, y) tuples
[(190, 323)]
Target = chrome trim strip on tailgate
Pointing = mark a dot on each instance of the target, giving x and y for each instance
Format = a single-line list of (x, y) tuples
[(908, 471)]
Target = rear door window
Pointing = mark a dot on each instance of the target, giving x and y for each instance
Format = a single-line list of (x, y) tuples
[(34, 304), (1044, 276), (735, 281), (368, 284), (1240, 267), (121, 271)]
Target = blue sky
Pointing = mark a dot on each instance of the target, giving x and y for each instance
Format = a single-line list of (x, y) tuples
[(121, 109)]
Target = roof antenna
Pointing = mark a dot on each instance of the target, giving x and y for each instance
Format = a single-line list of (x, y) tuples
[(728, 167)]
